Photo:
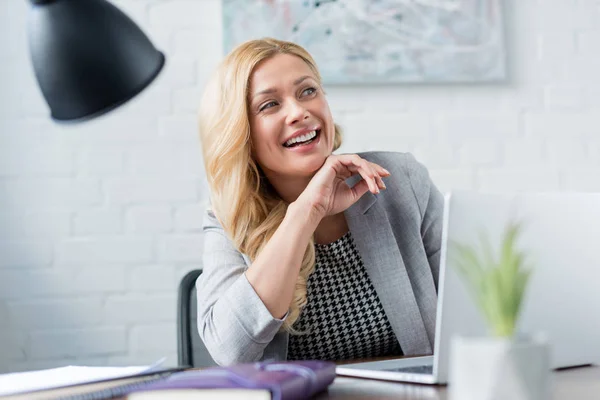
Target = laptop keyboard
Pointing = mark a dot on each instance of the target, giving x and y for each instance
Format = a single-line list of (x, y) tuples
[(417, 369)]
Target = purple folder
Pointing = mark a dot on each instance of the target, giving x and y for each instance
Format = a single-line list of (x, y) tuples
[(290, 380)]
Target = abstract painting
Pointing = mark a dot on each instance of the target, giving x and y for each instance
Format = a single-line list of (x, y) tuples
[(381, 41)]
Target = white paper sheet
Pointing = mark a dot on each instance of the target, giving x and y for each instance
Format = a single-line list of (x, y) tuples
[(64, 376)]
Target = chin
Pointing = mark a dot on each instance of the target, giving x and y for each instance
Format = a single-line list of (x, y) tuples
[(311, 165)]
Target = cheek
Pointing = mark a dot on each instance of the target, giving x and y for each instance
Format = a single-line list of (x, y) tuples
[(264, 136), (264, 132), (325, 111), (329, 121)]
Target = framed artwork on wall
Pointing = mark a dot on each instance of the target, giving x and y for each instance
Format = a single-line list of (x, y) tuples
[(381, 41)]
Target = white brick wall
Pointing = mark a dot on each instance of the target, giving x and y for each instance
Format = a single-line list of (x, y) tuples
[(98, 222), (88, 341)]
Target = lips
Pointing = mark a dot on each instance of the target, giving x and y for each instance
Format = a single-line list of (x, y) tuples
[(302, 136), (302, 139)]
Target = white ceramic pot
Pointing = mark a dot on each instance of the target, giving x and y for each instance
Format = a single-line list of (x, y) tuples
[(489, 368)]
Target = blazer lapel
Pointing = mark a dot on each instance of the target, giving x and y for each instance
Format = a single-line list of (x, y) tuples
[(379, 251)]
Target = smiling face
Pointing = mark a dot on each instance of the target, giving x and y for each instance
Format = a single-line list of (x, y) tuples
[(292, 129)]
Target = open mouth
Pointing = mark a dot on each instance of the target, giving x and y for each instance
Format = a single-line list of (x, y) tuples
[(303, 140)]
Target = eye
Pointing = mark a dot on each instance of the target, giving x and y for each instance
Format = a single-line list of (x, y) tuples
[(267, 105), (309, 91)]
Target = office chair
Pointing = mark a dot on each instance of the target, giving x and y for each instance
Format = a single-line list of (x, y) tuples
[(190, 348)]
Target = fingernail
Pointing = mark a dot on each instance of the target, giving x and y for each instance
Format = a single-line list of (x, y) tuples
[(388, 172)]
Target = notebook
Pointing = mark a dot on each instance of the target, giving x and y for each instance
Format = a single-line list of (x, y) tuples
[(99, 389), (259, 381), (292, 380), (32, 381)]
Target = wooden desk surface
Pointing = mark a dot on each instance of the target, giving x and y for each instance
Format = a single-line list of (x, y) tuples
[(576, 383)]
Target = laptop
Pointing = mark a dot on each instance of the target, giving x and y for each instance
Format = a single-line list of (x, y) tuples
[(561, 234)]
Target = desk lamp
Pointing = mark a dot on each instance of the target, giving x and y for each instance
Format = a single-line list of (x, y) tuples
[(88, 57)]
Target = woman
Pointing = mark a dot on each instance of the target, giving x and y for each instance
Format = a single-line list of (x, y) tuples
[(307, 254)]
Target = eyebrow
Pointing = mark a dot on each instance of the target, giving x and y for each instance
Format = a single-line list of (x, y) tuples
[(272, 90)]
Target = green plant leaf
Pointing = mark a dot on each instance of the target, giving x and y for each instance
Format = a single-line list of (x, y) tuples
[(497, 286)]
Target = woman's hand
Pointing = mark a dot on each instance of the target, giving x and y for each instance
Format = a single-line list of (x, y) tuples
[(328, 194)]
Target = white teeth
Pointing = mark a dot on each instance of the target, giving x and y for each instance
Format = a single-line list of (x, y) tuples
[(302, 138)]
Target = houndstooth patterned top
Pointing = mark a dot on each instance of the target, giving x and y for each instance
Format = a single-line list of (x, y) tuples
[(343, 318)]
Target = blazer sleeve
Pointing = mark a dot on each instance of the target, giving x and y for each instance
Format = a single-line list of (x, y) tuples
[(431, 206), (233, 322)]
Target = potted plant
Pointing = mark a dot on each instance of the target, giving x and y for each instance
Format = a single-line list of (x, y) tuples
[(504, 365)]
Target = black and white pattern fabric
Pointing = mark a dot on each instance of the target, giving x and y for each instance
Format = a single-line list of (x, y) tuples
[(343, 318)]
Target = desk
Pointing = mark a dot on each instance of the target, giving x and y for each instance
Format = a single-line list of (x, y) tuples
[(572, 384)]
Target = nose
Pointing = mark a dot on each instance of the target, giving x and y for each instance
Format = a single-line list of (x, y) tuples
[(296, 112)]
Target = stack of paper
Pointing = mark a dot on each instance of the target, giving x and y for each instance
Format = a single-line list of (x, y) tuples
[(65, 376)]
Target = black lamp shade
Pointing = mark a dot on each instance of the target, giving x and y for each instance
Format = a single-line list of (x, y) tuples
[(88, 57)]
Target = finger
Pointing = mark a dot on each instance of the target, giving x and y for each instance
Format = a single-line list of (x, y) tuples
[(376, 177), (369, 171), (378, 172), (382, 171), (380, 183), (370, 176), (352, 161), (359, 189), (366, 171)]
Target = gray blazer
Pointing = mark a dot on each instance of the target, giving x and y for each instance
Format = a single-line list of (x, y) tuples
[(398, 235)]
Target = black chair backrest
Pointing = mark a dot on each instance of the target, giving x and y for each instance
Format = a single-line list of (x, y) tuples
[(190, 348)]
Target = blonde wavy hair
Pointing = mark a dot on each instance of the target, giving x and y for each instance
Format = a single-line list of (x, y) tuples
[(243, 201)]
